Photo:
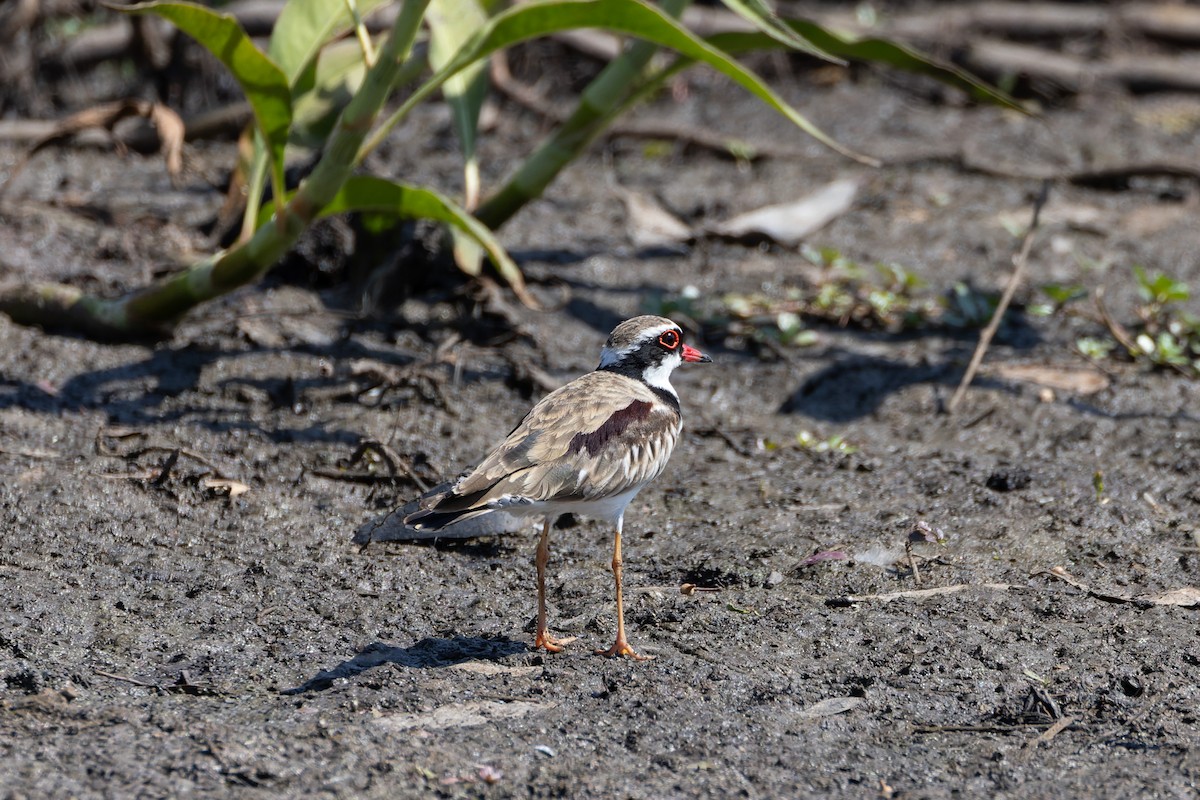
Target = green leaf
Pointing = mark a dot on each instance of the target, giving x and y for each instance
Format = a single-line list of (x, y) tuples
[(263, 83), (305, 26), (1161, 288), (633, 17), (332, 80), (1095, 348), (893, 54), (763, 17), (365, 193), (1060, 293), (451, 24), (875, 51)]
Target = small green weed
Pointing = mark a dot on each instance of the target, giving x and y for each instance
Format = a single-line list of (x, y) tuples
[(807, 440), (1165, 334), (1097, 348), (893, 298), (813, 443), (887, 297), (1058, 296)]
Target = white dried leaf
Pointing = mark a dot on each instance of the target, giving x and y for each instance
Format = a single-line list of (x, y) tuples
[(650, 225), (789, 223)]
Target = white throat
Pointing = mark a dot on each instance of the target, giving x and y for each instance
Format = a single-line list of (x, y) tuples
[(659, 377)]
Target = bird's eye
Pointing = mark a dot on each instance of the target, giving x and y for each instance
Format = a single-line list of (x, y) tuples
[(669, 340)]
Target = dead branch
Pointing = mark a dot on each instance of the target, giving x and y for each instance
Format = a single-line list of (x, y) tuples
[(397, 466), (977, 728), (1185, 597), (1173, 21), (921, 594), (953, 24), (123, 678), (1115, 176), (17, 17), (912, 561), (993, 58), (1116, 329), (985, 339)]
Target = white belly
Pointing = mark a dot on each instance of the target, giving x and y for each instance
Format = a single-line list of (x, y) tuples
[(608, 509)]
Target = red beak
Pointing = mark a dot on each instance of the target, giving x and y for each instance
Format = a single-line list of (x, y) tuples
[(692, 354)]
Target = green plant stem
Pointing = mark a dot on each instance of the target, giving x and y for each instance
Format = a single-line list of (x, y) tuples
[(254, 188), (360, 31), (153, 310), (595, 110)]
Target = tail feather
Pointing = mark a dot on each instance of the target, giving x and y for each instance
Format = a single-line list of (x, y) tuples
[(431, 519), (437, 508), (442, 506)]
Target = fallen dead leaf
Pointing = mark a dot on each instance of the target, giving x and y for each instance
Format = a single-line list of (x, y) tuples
[(462, 715), (830, 706), (650, 225), (168, 124), (227, 486), (789, 223), (824, 555), (1150, 220), (1079, 381), (1188, 597), (31, 476), (492, 668), (262, 332), (312, 330)]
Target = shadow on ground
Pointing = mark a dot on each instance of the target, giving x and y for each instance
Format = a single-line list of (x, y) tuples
[(429, 653)]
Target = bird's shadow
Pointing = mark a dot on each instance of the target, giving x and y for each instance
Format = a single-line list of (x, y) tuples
[(854, 387), (429, 653)]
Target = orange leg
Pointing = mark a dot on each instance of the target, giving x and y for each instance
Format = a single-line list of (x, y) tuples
[(544, 639), (621, 646)]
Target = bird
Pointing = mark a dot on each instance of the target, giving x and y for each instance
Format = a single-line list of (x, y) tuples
[(586, 448)]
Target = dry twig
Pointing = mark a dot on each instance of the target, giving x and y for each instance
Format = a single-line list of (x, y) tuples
[(921, 594), (1019, 263), (912, 561), (123, 679), (397, 465), (1047, 735)]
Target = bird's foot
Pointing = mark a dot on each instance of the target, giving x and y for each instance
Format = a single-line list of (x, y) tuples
[(622, 648), (544, 641)]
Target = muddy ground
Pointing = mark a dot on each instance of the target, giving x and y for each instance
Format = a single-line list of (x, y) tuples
[(160, 638)]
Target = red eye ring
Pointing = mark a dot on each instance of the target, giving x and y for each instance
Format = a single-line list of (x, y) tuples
[(669, 340)]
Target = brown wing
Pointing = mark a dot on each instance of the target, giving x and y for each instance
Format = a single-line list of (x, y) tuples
[(602, 430)]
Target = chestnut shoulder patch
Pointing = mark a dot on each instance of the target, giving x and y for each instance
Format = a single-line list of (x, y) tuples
[(613, 427)]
